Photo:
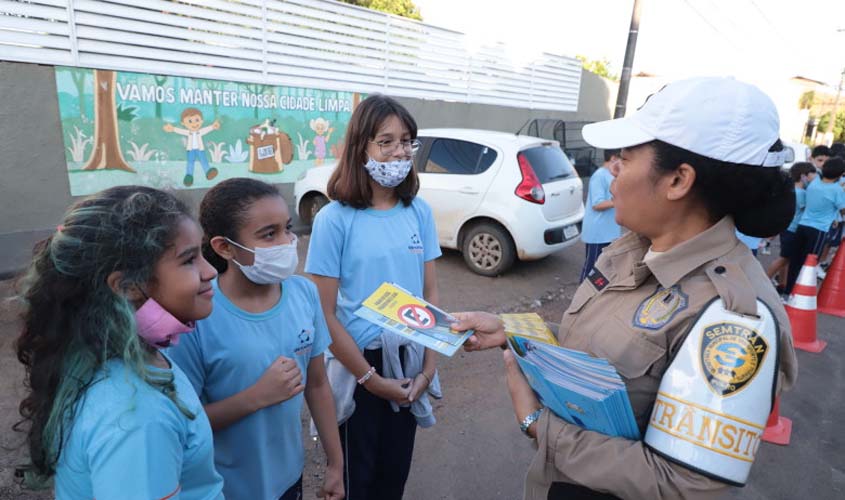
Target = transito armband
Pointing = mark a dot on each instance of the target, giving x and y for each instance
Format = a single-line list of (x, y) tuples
[(715, 397)]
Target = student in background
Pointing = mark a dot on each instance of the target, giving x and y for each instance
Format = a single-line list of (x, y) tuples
[(600, 228), (802, 173), (819, 155), (751, 242), (825, 202)]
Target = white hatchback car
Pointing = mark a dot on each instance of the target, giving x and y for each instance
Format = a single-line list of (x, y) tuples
[(495, 196), (795, 152)]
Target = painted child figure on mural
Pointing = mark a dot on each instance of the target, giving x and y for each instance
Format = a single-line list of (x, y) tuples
[(192, 119), (321, 126)]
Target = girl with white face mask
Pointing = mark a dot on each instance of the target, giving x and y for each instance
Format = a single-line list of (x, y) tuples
[(376, 230), (252, 360)]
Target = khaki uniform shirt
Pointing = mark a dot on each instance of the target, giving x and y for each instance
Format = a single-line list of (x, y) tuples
[(637, 315)]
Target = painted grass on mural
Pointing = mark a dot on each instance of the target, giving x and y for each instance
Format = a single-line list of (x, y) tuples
[(170, 175)]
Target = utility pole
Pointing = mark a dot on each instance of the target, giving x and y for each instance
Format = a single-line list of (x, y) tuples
[(627, 65), (829, 132)]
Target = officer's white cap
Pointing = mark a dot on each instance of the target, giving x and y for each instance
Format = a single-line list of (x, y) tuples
[(720, 118)]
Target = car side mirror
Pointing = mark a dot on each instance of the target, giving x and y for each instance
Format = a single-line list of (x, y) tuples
[(789, 155)]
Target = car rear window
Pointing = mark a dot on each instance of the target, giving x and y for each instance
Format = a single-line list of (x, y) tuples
[(453, 156), (549, 163)]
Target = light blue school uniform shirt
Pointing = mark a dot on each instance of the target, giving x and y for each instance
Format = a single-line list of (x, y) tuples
[(599, 226), (824, 201), (364, 248), (261, 455), (752, 242), (129, 441), (800, 203)]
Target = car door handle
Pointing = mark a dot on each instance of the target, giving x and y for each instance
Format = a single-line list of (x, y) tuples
[(467, 190)]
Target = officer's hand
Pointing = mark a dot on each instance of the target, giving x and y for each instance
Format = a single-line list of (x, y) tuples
[(489, 330), (524, 400)]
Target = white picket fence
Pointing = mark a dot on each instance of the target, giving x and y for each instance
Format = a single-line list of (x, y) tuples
[(303, 43)]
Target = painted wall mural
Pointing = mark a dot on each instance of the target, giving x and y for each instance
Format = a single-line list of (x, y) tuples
[(183, 133)]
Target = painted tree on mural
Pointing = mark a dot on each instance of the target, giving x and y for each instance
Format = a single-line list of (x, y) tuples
[(78, 77), (160, 80), (106, 153)]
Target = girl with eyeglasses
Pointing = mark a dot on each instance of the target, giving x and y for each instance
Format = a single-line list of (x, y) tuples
[(376, 230)]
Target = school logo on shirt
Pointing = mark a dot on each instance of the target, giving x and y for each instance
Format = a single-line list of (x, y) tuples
[(657, 310), (416, 245), (306, 340), (731, 355)]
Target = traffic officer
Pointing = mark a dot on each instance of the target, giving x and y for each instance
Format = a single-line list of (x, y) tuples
[(679, 306)]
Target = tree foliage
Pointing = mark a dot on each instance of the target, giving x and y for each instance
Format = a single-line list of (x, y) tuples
[(807, 100), (838, 125), (601, 68), (404, 8)]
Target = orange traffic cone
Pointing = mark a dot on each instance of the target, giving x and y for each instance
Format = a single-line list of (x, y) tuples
[(778, 429), (801, 308), (832, 294)]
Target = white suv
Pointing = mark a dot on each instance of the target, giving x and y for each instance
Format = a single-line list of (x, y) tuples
[(495, 196)]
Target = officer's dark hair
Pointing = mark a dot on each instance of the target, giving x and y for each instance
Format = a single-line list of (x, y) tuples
[(761, 200), (610, 153), (837, 149), (833, 168), (820, 150), (801, 168)]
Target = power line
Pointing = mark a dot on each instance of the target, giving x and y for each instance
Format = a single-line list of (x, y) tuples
[(712, 26), (756, 38), (768, 21)]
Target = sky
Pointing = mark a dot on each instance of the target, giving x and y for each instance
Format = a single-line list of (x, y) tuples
[(754, 40)]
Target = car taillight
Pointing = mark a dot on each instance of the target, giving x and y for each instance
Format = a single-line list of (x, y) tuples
[(529, 188)]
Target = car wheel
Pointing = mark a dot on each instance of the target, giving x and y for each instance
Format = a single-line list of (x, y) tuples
[(310, 206), (488, 249)]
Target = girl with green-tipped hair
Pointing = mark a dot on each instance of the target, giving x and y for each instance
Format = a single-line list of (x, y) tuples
[(107, 414)]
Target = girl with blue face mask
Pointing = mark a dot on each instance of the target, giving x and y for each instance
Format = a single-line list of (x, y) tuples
[(260, 353), (376, 230), (108, 415)]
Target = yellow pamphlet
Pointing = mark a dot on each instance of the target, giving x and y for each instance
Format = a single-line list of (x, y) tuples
[(528, 325)]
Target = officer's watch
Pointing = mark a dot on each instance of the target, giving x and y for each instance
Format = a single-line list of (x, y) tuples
[(527, 421)]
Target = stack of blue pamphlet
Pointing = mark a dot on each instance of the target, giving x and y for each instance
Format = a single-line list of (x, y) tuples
[(577, 387)]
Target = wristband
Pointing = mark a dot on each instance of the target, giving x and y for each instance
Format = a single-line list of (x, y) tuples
[(367, 376), (426, 377), (530, 419)]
